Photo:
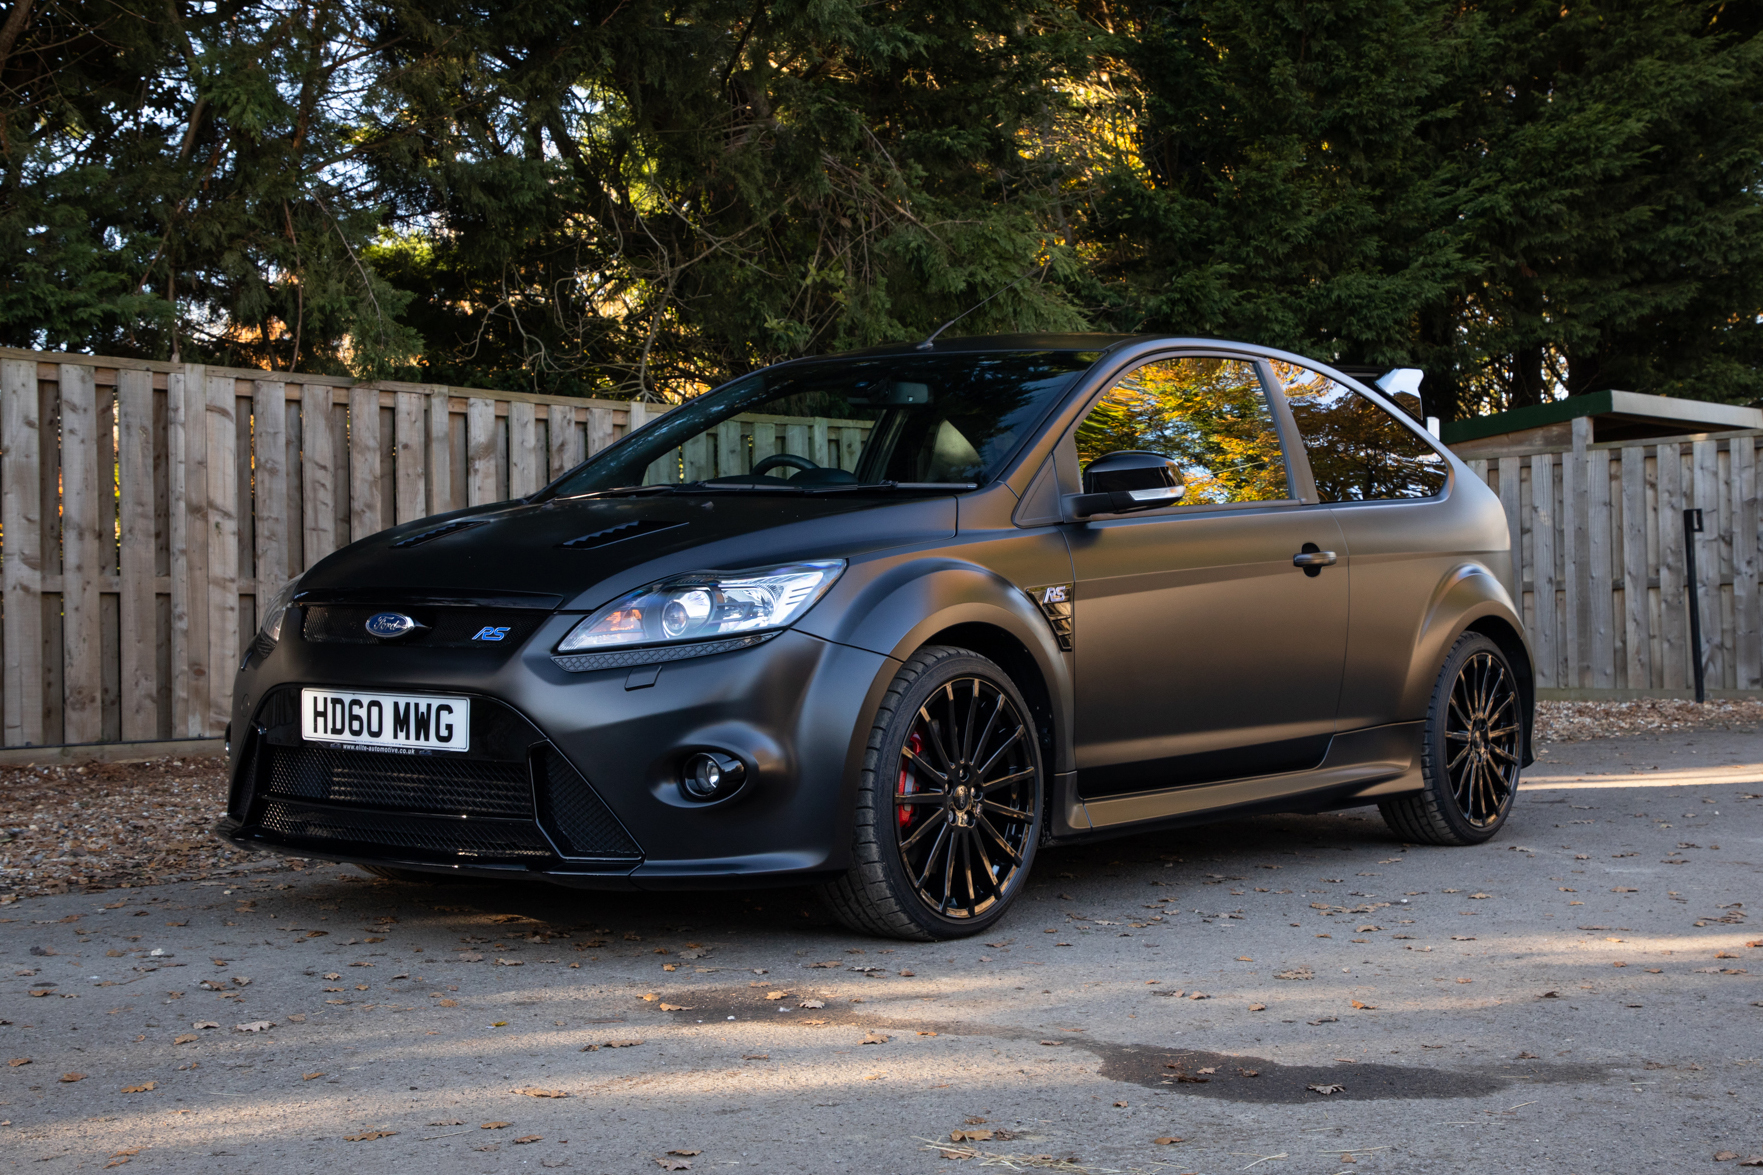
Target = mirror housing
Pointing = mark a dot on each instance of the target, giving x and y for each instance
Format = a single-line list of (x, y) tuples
[(1128, 480)]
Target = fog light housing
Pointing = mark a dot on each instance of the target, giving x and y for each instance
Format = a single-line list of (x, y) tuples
[(710, 776)]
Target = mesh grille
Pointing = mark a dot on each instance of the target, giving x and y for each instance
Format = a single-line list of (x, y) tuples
[(345, 624), (416, 783), (423, 834), (581, 823)]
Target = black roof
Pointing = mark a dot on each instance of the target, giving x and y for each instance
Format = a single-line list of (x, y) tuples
[(1030, 342)]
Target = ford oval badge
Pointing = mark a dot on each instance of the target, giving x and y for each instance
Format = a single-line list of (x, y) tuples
[(391, 625)]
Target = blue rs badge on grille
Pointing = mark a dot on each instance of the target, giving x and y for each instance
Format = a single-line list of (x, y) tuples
[(492, 632), (391, 625)]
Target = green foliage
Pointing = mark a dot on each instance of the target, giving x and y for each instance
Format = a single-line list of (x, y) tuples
[(623, 197)]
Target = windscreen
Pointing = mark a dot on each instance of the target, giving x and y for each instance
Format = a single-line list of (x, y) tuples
[(920, 420)]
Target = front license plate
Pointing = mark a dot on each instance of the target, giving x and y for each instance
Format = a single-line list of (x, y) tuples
[(386, 722)]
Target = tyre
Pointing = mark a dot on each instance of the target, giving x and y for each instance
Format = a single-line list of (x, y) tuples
[(1473, 743), (949, 806)]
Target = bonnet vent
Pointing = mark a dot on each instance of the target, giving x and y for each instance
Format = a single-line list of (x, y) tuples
[(617, 534), (424, 536)]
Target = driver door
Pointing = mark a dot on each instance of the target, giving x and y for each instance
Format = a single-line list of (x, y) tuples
[(1203, 654)]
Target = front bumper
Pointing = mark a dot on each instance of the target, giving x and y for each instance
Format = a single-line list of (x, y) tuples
[(572, 777)]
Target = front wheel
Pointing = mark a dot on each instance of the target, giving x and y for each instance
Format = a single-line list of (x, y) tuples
[(949, 806), (1473, 744)]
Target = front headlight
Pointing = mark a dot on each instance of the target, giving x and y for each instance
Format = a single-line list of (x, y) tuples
[(705, 605), (276, 609)]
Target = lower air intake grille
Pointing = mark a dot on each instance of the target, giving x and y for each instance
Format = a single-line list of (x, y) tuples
[(580, 822), (410, 783), (454, 836)]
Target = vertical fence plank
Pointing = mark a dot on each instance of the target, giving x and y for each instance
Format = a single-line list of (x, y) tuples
[(1600, 592), (1542, 530), (480, 450), (1575, 637), (179, 449), (523, 450), (223, 552), (82, 681), (561, 439), (318, 466), (440, 453), (1637, 634), (21, 561), (1747, 629), (269, 450), (1673, 620), (1510, 496), (411, 437), (364, 463), (600, 429), (137, 614), (731, 450), (1705, 457)]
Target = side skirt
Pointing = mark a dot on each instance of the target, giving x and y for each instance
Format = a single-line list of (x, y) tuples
[(1361, 767)]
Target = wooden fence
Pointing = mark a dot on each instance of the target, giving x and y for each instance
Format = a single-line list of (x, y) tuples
[(1600, 559), (145, 508)]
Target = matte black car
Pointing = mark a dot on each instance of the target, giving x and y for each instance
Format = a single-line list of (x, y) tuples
[(888, 622)]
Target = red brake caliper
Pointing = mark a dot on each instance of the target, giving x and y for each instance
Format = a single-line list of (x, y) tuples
[(909, 785)]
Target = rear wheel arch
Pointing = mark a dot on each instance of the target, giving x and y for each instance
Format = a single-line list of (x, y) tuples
[(1501, 632)]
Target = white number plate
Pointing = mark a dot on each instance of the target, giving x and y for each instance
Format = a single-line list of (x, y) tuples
[(386, 722)]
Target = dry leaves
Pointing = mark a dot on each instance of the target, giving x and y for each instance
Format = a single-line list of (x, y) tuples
[(674, 1164), (144, 1087), (875, 1038), (1257, 1007), (1167, 1140), (1325, 1090), (70, 1078), (17, 1061), (524, 1139), (255, 1026), (676, 1008), (495, 1125), (368, 1135), (537, 1092), (812, 1004), (1559, 722)]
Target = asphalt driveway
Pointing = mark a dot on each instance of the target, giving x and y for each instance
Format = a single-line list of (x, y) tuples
[(1293, 994)]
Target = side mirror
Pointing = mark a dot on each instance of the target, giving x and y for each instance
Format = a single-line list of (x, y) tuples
[(1125, 481)]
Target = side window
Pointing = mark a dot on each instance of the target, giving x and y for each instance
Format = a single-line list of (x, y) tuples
[(1358, 451), (1210, 416)]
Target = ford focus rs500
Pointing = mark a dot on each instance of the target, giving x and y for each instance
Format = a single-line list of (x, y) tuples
[(887, 623)]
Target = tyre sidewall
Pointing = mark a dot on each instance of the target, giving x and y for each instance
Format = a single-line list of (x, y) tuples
[(881, 774)]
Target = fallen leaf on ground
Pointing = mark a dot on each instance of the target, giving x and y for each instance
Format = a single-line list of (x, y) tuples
[(201, 1024), (368, 1135), (254, 1026), (1725, 1156), (684, 1153), (529, 1138), (1167, 1139), (674, 1164), (1250, 1072), (449, 1122), (970, 1136), (1257, 1007), (676, 1008), (1364, 1007), (70, 1078), (875, 1038), (811, 1004), (494, 1125), (186, 1038), (144, 1087), (776, 995), (17, 1061), (537, 1092), (622, 1044), (1325, 1090)]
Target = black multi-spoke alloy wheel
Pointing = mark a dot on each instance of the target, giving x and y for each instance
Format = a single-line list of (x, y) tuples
[(1474, 743), (949, 807)]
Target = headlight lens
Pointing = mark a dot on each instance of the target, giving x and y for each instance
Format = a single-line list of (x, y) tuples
[(706, 605), (277, 608)]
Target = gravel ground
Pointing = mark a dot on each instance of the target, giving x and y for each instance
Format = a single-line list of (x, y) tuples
[(110, 825), (1582, 995)]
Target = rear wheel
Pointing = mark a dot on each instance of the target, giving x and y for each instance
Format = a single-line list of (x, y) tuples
[(949, 806), (1473, 744)]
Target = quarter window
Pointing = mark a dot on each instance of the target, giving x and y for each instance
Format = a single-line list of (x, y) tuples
[(1210, 416), (1358, 451)]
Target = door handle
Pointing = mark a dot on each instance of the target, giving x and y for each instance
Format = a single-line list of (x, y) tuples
[(1313, 559)]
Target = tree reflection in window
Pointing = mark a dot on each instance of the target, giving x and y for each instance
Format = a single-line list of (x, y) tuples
[(1358, 451), (1209, 415)]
